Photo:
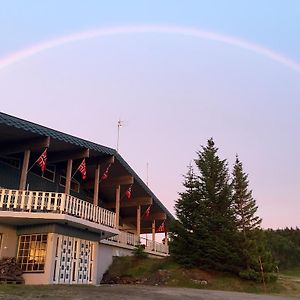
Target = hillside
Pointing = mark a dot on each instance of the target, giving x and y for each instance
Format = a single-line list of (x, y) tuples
[(165, 272)]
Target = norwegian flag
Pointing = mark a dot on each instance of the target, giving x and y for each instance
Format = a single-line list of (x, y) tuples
[(128, 192), (42, 160), (82, 169), (105, 174), (162, 227), (147, 212)]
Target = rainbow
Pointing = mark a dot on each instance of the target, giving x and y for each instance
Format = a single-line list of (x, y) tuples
[(187, 31)]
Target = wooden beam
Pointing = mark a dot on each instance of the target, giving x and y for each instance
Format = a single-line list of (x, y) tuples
[(96, 184), (29, 144), (100, 160), (24, 170), (121, 180), (153, 216), (114, 181), (66, 155), (132, 202)]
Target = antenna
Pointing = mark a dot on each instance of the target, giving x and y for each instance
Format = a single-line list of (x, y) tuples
[(147, 175), (120, 123)]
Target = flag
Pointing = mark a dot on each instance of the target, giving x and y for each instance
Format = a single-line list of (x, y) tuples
[(105, 174), (147, 212), (82, 169), (128, 192), (42, 160), (162, 227)]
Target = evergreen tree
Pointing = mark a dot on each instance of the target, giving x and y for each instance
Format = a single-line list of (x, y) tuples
[(244, 204), (206, 233), (253, 245)]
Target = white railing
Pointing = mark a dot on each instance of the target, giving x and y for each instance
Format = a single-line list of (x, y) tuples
[(129, 239), (155, 246), (36, 201)]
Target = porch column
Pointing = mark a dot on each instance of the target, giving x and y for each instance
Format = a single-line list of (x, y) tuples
[(153, 234), (68, 176), (118, 190), (138, 221), (23, 177), (166, 237), (96, 184)]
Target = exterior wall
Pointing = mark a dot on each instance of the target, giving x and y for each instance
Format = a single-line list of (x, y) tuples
[(8, 247)]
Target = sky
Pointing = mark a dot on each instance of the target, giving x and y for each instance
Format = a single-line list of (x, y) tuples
[(173, 91)]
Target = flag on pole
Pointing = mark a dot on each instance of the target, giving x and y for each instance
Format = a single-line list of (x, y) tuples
[(105, 174), (162, 227), (42, 160), (82, 169), (147, 212), (128, 192)]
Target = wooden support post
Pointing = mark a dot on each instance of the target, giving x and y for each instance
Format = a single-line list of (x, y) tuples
[(166, 238), (23, 177), (96, 184), (118, 192), (138, 221), (153, 234), (68, 176)]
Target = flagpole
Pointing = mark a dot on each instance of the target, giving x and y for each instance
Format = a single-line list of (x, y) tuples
[(35, 162), (118, 137)]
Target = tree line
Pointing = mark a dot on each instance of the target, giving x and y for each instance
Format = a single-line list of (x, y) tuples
[(217, 225), (285, 247)]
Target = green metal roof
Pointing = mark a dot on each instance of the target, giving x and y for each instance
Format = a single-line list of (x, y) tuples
[(45, 131)]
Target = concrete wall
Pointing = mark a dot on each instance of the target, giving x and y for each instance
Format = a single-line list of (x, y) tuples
[(105, 256), (8, 247)]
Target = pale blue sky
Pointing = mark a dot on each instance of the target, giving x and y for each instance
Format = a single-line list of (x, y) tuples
[(173, 91)]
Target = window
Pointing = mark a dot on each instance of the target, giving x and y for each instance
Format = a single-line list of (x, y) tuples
[(32, 252), (48, 174), (75, 185), (11, 161)]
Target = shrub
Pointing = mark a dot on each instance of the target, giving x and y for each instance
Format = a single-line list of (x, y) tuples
[(139, 251)]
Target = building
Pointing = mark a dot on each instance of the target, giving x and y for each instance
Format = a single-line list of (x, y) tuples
[(63, 228)]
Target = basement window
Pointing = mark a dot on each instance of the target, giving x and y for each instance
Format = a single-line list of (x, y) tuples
[(32, 253)]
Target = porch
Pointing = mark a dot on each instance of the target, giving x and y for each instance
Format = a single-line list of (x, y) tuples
[(129, 241)]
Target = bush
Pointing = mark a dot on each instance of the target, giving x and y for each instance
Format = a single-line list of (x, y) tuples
[(139, 251), (251, 274)]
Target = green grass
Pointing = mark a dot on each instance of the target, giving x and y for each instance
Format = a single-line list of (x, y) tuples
[(293, 272), (176, 276)]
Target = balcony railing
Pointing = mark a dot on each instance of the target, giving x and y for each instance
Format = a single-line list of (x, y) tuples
[(129, 239), (35, 201)]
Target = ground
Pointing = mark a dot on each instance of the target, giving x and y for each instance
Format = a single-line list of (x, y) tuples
[(122, 292)]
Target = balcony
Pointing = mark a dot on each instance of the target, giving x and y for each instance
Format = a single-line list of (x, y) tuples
[(55, 206), (129, 241)]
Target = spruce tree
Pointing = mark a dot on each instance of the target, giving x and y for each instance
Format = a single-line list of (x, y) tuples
[(253, 243), (206, 234), (244, 204)]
